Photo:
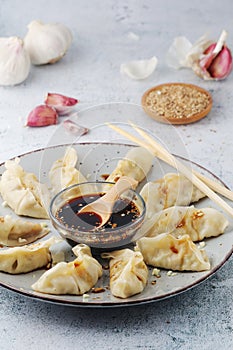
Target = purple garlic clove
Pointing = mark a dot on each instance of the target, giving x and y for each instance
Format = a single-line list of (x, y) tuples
[(62, 104), (216, 61), (42, 116)]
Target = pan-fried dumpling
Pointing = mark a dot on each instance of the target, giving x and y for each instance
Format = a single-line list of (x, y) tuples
[(172, 253), (128, 272), (16, 232), (63, 172), (172, 189), (197, 223), (75, 277), (23, 192), (136, 164), (27, 258)]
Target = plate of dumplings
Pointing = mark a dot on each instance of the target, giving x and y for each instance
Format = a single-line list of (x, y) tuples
[(183, 240)]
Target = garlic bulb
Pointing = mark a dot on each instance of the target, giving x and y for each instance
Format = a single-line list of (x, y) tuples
[(47, 43), (14, 61)]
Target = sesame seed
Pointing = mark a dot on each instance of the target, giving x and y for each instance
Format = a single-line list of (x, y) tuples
[(177, 101)]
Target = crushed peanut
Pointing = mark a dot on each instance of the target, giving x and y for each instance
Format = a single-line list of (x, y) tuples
[(98, 290), (86, 297), (171, 273), (156, 272), (201, 245), (197, 214), (177, 101), (22, 240)]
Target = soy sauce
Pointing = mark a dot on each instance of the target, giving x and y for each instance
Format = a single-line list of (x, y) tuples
[(124, 212)]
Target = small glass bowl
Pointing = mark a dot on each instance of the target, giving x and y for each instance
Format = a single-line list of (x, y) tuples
[(102, 239)]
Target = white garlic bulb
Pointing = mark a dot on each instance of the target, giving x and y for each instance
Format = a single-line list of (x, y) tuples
[(47, 43), (14, 61)]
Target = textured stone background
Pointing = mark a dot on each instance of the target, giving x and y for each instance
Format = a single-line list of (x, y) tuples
[(202, 317)]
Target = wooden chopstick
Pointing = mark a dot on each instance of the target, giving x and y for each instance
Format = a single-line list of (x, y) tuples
[(211, 183), (166, 156), (217, 187)]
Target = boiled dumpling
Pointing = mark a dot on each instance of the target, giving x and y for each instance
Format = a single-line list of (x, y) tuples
[(172, 253), (16, 232), (27, 258), (23, 192), (172, 189), (197, 223), (128, 272), (136, 164), (63, 172), (75, 277)]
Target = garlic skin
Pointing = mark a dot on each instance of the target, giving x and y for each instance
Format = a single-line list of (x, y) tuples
[(74, 128), (139, 69), (178, 52), (42, 116), (14, 61), (183, 54), (47, 43), (63, 104), (197, 49)]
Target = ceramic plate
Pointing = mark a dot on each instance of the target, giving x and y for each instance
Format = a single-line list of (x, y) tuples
[(95, 160)]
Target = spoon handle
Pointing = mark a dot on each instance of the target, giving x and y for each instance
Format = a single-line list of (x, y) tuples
[(123, 184)]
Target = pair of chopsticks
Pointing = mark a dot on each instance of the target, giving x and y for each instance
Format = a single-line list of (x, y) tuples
[(204, 184)]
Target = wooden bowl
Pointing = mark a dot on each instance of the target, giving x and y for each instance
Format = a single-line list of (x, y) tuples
[(167, 90)]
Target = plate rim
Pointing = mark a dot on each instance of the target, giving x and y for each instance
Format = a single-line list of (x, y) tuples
[(121, 303)]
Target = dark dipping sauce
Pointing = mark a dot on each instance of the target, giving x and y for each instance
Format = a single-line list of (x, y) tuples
[(124, 213)]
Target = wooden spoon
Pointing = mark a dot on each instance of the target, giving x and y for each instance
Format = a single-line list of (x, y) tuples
[(103, 206)]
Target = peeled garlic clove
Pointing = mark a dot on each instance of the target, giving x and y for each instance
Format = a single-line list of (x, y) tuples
[(42, 116), (14, 61), (47, 43), (216, 61), (221, 65), (140, 69), (62, 104)]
